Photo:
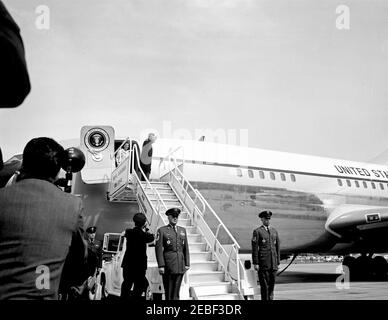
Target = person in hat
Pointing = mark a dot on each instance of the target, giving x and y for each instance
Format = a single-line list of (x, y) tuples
[(135, 258), (172, 254), (84, 287), (266, 255), (93, 262)]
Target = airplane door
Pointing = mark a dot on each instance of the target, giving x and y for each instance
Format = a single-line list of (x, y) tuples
[(97, 143)]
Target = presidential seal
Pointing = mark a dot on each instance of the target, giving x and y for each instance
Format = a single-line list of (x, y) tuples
[(97, 139)]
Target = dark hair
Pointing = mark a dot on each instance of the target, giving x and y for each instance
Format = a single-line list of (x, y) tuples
[(42, 159), (139, 219)]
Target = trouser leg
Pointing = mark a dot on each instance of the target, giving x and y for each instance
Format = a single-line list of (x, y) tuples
[(126, 286), (139, 284), (271, 283), (167, 286), (177, 281), (263, 279)]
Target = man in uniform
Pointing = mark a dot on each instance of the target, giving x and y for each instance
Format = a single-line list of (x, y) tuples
[(135, 258), (93, 261), (172, 254), (266, 255)]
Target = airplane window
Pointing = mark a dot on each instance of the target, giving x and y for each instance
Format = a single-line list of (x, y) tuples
[(239, 172), (261, 174), (339, 182), (349, 183), (381, 186), (373, 185), (365, 185), (357, 184), (250, 173), (272, 175), (293, 179), (283, 176)]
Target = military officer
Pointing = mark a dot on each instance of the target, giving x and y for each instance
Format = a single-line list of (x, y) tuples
[(266, 255), (172, 254), (94, 252)]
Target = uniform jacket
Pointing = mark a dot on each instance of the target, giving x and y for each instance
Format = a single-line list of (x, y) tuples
[(266, 248), (94, 258), (37, 224), (172, 249), (135, 257)]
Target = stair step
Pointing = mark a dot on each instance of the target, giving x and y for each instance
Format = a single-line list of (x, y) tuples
[(165, 197), (197, 246), (200, 256), (162, 186), (207, 276), (192, 230), (169, 206), (213, 289), (169, 202), (204, 266), (230, 296), (194, 237), (184, 222)]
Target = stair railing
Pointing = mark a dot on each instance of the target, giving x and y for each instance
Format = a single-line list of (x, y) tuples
[(183, 188), (161, 205)]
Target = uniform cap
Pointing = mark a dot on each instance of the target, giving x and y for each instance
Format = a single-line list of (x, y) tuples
[(139, 219), (173, 212), (265, 214), (91, 230)]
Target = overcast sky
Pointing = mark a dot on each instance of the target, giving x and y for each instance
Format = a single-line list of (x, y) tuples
[(279, 69)]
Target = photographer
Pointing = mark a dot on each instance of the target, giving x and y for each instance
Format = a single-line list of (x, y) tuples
[(135, 259), (40, 226)]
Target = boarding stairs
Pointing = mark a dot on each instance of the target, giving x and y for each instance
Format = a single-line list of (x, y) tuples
[(216, 272)]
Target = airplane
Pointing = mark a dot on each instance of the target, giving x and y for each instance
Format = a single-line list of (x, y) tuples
[(320, 205)]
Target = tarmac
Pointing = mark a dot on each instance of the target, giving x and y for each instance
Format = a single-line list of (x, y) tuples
[(325, 281)]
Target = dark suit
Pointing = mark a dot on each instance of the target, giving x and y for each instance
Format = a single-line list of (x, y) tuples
[(146, 158), (172, 253), (266, 254), (135, 262), (14, 79), (38, 223)]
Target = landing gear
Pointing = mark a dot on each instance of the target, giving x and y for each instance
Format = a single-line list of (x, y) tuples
[(365, 267), (380, 266)]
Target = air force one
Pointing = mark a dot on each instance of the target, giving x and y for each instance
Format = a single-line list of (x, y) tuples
[(320, 205)]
